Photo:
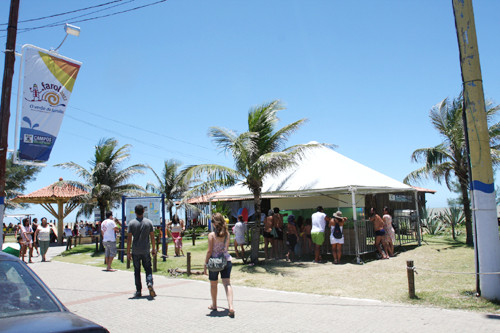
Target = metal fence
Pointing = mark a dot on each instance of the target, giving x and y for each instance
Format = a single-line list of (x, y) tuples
[(359, 237)]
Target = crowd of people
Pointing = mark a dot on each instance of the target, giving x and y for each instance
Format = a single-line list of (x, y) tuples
[(34, 236), (306, 236), (297, 237)]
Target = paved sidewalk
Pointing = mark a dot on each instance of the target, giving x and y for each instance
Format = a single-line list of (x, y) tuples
[(181, 306)]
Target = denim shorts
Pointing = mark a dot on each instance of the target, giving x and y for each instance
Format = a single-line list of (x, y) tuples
[(224, 274)]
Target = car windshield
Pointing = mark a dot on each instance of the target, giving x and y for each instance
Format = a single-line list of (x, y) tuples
[(20, 293)]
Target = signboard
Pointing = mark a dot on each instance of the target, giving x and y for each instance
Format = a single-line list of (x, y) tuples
[(47, 86), (97, 214), (400, 198), (152, 208)]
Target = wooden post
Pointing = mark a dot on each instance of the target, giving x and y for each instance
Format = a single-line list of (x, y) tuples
[(193, 236), (96, 244), (189, 263), (411, 278)]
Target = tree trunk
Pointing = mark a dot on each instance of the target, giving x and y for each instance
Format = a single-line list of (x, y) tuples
[(99, 236), (453, 229), (468, 213), (256, 228)]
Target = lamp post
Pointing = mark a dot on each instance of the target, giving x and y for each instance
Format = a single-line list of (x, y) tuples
[(70, 30)]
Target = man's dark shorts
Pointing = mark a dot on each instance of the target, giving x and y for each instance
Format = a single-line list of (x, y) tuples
[(380, 232)]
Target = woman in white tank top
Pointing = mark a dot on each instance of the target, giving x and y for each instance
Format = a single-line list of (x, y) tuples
[(42, 233)]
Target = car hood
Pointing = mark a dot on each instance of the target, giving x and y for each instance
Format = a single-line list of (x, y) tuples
[(49, 322)]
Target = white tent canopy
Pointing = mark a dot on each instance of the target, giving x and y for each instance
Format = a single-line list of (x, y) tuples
[(321, 171)]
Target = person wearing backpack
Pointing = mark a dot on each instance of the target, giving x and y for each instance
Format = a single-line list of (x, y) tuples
[(337, 235)]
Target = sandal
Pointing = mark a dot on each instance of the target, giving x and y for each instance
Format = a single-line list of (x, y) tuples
[(231, 314), (212, 308)]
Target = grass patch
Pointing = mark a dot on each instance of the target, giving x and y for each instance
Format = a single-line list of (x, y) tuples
[(383, 280)]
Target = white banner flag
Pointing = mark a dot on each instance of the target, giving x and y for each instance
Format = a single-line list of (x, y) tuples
[(48, 82)]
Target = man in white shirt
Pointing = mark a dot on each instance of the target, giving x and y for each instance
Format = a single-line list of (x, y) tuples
[(109, 230), (318, 231), (68, 233)]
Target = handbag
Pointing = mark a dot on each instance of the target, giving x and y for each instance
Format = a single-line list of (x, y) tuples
[(217, 264)]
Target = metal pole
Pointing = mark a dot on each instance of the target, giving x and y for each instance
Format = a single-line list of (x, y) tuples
[(209, 216), (163, 222), (487, 243), (355, 218), (417, 222), (122, 238), (8, 73)]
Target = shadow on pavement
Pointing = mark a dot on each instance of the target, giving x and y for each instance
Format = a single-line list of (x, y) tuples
[(149, 298), (224, 313), (492, 316)]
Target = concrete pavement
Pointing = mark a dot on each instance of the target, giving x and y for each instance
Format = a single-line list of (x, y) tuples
[(181, 305)]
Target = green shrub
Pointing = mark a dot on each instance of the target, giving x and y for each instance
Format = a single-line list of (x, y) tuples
[(432, 223)]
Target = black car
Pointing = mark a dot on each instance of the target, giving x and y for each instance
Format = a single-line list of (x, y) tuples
[(28, 305)]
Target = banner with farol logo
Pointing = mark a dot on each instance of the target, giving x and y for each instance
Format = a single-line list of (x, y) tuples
[(48, 82)]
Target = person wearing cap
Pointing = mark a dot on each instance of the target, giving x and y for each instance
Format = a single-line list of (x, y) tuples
[(319, 220), (292, 237), (337, 235), (239, 237)]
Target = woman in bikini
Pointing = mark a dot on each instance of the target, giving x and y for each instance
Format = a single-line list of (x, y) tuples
[(177, 227), (307, 236), (292, 237)]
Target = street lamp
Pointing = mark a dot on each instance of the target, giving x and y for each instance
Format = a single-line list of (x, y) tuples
[(70, 30)]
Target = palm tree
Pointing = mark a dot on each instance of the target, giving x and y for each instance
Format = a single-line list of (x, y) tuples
[(105, 180), (448, 160), (169, 183), (16, 178), (257, 153)]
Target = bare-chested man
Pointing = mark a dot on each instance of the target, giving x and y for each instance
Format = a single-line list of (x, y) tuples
[(278, 237), (378, 226), (268, 237)]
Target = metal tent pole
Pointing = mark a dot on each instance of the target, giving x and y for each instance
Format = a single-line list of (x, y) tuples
[(355, 221)]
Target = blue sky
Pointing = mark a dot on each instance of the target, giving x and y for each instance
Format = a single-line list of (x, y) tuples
[(365, 74)]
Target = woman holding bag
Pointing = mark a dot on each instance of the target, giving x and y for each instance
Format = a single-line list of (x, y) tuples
[(218, 243)]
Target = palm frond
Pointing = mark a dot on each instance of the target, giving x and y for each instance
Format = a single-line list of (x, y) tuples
[(212, 173), (279, 138), (78, 169)]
